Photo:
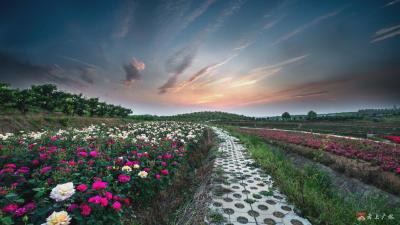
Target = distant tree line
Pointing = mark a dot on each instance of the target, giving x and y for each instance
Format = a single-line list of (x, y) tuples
[(46, 97)]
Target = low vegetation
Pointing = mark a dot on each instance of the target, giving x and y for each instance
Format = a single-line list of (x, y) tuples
[(311, 191)]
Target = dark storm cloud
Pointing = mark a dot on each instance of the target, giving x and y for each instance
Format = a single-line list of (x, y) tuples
[(88, 74), (132, 71), (19, 72), (176, 65)]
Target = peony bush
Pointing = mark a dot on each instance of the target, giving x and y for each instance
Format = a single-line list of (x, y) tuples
[(92, 175)]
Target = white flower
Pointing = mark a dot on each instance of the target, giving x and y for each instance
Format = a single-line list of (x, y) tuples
[(126, 168), (136, 166), (62, 191), (142, 174), (58, 218)]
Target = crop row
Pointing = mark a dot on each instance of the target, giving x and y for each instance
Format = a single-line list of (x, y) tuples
[(385, 155)]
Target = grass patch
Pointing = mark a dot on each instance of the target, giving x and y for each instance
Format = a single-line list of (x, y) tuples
[(311, 191)]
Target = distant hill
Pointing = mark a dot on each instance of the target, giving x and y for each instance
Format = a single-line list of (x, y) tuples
[(206, 116)]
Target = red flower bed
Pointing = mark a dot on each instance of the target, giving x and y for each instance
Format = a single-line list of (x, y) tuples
[(395, 139), (387, 156)]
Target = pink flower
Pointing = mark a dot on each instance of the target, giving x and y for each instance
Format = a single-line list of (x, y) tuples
[(157, 176), (104, 202), (163, 164), (398, 170), (164, 172), (93, 154), (85, 209), (124, 178), (45, 169), (99, 185), (146, 170), (82, 187), (10, 208), (116, 205), (109, 195)]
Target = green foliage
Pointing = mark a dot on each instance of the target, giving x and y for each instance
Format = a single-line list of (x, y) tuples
[(46, 97), (285, 116), (311, 115)]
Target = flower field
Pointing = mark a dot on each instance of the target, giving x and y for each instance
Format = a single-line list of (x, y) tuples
[(92, 175), (385, 155)]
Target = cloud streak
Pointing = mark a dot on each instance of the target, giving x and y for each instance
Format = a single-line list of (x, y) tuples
[(176, 65), (302, 28), (385, 33)]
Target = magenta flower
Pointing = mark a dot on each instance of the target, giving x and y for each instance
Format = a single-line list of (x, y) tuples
[(164, 172), (99, 185), (85, 209), (72, 207), (45, 169), (95, 199), (109, 195), (84, 154), (21, 211), (124, 178), (157, 176), (104, 202), (93, 154), (116, 205)]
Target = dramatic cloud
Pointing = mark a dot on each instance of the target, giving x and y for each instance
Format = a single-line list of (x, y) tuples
[(385, 33), (16, 71), (314, 22), (88, 74), (175, 66), (132, 71)]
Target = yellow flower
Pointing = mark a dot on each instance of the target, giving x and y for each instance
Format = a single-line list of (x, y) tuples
[(58, 218), (126, 168), (136, 166), (142, 174)]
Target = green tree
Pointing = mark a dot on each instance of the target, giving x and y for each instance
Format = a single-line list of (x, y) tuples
[(285, 116), (23, 100), (311, 115)]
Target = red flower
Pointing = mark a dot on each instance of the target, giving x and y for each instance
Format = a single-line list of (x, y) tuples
[(85, 209), (82, 187), (10, 208)]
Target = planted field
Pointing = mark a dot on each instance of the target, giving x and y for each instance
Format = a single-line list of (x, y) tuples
[(384, 155), (95, 175)]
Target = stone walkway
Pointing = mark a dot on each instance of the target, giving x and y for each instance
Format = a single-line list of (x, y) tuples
[(243, 193)]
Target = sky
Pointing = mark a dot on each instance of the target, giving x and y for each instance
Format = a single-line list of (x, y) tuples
[(253, 57)]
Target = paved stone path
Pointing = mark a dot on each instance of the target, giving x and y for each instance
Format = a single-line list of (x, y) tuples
[(243, 193)]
